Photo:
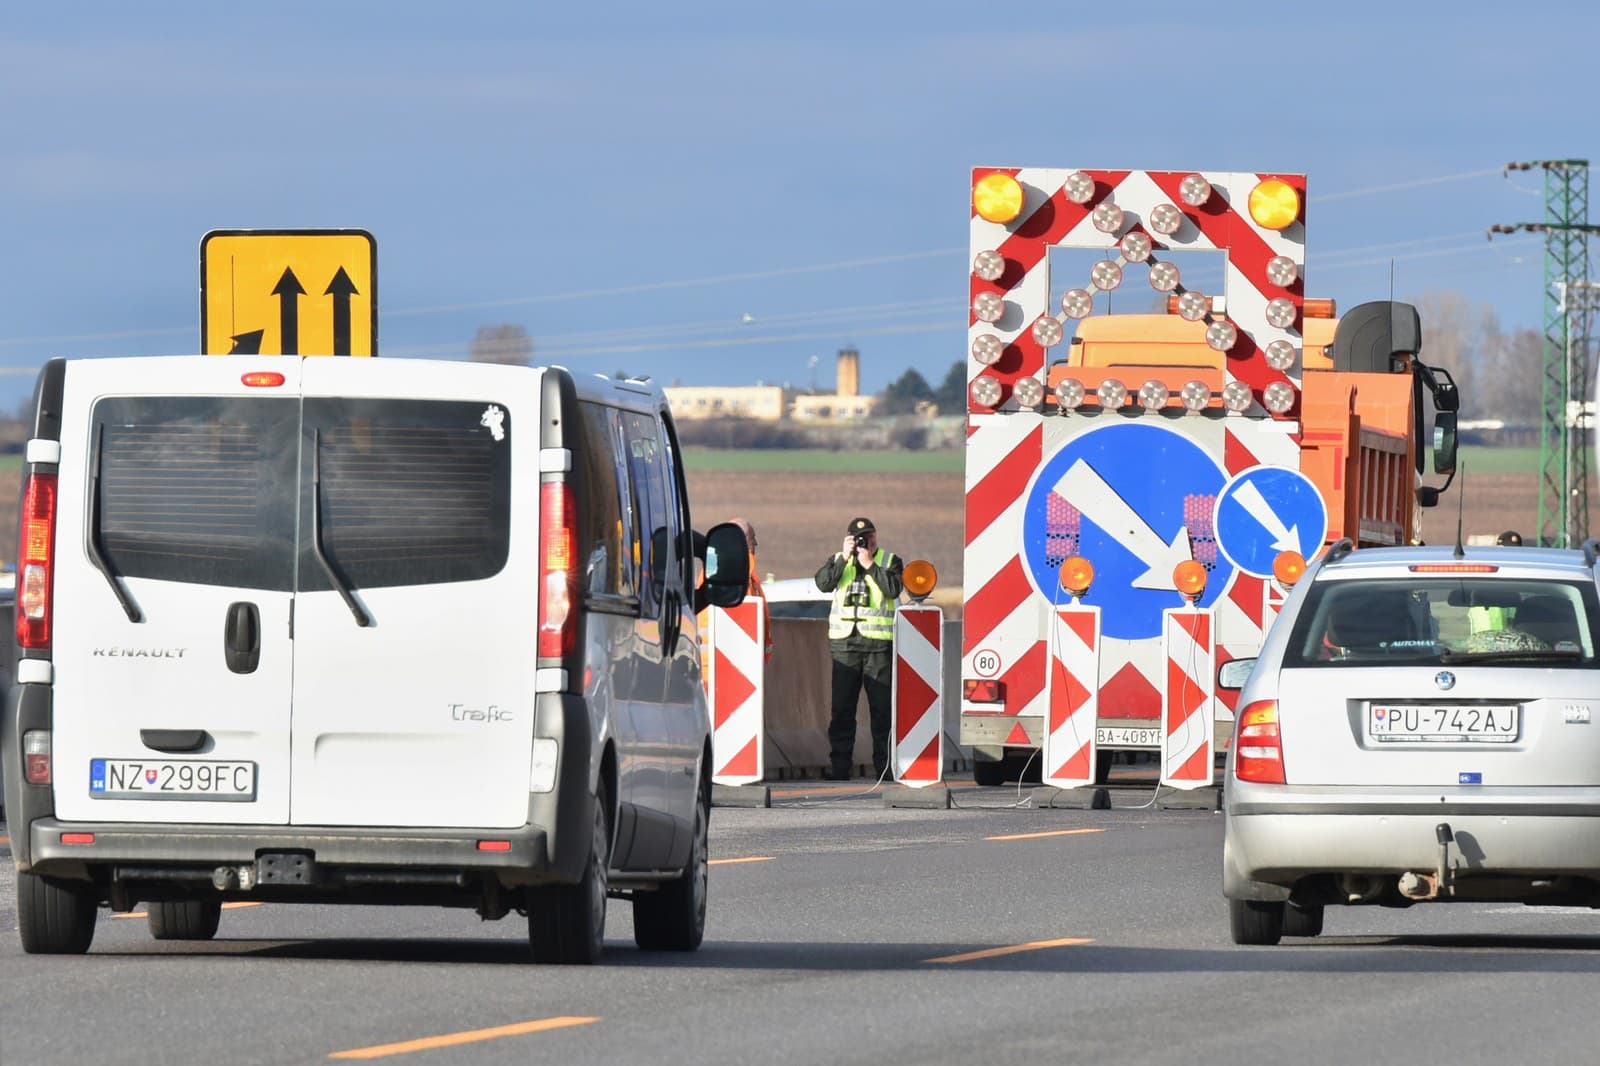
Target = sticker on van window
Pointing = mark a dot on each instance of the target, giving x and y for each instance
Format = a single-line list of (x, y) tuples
[(494, 420)]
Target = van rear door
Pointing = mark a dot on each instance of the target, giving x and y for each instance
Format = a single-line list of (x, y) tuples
[(176, 488), (416, 616)]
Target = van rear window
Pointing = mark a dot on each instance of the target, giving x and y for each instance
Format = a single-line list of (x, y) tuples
[(197, 489), (412, 492)]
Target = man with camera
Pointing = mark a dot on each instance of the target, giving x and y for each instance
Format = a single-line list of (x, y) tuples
[(865, 582)]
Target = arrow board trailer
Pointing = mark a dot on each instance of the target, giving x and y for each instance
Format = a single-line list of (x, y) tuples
[(1122, 462)]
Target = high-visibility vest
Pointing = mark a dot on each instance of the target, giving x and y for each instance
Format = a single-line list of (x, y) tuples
[(873, 619)]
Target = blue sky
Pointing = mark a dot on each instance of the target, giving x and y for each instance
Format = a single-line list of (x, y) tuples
[(721, 192)]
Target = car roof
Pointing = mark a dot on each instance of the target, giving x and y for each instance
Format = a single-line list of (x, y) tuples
[(1548, 563)]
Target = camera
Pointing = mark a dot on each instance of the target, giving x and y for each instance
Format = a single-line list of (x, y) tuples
[(858, 542)]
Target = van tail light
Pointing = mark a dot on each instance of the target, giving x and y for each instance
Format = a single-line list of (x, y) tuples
[(558, 570), (36, 561), (36, 756), (1257, 746)]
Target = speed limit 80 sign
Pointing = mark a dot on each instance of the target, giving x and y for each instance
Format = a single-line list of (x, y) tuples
[(986, 663)]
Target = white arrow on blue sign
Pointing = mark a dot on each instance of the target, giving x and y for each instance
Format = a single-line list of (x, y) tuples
[(1266, 510)]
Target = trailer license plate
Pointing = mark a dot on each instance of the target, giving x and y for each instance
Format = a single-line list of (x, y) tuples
[(1422, 723), (1118, 737), (178, 779)]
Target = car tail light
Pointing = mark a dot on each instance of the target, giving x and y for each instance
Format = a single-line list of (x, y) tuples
[(558, 574), (36, 756), (1257, 746), (35, 561)]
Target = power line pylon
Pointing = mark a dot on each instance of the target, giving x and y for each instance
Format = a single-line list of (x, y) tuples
[(1569, 304)]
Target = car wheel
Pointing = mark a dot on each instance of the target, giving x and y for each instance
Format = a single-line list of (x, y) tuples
[(988, 773), (673, 917), (54, 918), (567, 923), (1254, 921), (1302, 921), (184, 919)]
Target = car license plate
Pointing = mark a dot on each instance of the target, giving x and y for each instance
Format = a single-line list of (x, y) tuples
[(178, 779), (1118, 737), (1425, 723)]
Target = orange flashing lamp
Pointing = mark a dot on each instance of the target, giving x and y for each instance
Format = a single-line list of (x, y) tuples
[(1077, 574), (919, 578), (997, 197), (1189, 578), (1289, 567)]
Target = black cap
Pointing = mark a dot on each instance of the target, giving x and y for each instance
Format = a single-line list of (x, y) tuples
[(1510, 536), (859, 526)]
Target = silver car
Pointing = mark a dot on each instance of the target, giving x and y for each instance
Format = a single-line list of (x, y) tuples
[(1422, 724)]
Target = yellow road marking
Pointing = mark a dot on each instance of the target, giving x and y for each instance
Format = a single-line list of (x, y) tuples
[(1051, 833), (829, 790), (472, 1036), (225, 906), (747, 858), (991, 953), (5, 840)]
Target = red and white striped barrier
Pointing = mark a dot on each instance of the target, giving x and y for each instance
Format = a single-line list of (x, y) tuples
[(1074, 707), (1188, 639), (736, 686), (917, 697)]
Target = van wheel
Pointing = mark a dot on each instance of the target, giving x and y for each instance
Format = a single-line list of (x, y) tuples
[(673, 917), (567, 923), (1254, 921), (1103, 761), (988, 773), (184, 919), (54, 918), (1302, 921)]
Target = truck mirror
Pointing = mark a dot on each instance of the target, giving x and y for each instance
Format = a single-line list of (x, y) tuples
[(1445, 442), (1427, 496), (727, 568)]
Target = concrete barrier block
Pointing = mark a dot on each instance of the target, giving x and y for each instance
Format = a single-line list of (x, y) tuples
[(1198, 799), (1074, 799), (741, 796), (930, 797)]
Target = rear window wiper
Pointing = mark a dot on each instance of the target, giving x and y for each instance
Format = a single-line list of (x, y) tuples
[(362, 618), (1512, 654), (96, 555)]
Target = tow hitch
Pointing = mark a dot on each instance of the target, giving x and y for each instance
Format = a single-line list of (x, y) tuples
[(1425, 886)]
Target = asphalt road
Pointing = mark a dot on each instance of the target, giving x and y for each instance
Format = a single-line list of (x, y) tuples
[(843, 932)]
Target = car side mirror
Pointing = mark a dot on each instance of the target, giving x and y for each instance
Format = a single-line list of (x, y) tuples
[(1445, 442), (726, 563), (1232, 674)]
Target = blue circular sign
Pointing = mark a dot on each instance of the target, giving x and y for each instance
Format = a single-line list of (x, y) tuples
[(1266, 510), (1134, 498)]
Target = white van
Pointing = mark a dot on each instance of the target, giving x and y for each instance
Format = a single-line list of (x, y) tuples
[(359, 630)]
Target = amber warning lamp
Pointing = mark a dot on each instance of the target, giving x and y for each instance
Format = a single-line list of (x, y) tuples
[(1189, 578), (1289, 567), (919, 577), (1077, 574)]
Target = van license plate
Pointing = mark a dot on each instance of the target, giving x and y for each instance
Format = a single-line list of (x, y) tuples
[(1121, 737), (1442, 724), (178, 779)]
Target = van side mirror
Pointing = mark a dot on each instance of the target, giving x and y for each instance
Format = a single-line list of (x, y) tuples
[(726, 563), (1445, 442)]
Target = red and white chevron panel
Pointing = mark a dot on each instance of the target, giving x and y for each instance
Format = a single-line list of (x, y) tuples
[(1187, 743), (1049, 219), (917, 696), (1069, 736), (737, 688)]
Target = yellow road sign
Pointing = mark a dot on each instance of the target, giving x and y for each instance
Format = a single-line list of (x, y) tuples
[(289, 292)]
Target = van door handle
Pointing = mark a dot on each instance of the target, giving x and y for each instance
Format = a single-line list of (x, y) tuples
[(241, 638)]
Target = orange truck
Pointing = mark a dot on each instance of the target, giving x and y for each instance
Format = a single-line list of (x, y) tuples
[(1124, 467)]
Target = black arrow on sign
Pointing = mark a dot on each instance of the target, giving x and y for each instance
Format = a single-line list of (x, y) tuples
[(288, 291), (247, 343), (341, 288)]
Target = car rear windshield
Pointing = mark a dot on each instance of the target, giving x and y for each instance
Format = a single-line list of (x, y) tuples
[(196, 489), (1443, 619)]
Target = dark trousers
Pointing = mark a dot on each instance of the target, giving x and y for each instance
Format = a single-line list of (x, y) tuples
[(854, 666)]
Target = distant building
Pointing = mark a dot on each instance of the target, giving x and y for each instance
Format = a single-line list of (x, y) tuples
[(773, 403)]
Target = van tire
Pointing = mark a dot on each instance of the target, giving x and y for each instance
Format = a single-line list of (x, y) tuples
[(567, 923), (184, 919), (1302, 921), (1256, 922), (54, 918), (673, 917)]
